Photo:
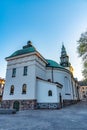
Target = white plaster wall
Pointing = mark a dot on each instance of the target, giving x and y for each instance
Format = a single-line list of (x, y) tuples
[(19, 80), (42, 92), (40, 71), (21, 60), (58, 76), (49, 74)]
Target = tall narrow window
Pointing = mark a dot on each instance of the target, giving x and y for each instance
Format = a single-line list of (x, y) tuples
[(24, 87), (14, 72), (67, 85), (49, 93), (25, 70), (12, 90)]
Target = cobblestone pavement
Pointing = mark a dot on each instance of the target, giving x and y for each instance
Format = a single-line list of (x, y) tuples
[(73, 117)]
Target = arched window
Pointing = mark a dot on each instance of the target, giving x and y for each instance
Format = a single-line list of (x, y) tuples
[(12, 90), (49, 93), (24, 87), (67, 85)]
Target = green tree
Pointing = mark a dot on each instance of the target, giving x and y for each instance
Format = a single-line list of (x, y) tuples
[(82, 51)]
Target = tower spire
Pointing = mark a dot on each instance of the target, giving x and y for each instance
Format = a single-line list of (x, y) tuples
[(64, 59), (63, 50)]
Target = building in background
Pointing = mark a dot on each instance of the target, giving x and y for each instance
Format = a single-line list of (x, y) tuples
[(2, 83), (35, 82), (83, 92)]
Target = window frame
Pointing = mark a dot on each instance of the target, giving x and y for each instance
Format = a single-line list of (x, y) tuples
[(50, 93), (25, 70), (24, 89), (14, 72), (12, 90)]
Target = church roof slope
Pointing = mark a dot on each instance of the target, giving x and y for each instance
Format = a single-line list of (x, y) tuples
[(53, 64), (26, 49)]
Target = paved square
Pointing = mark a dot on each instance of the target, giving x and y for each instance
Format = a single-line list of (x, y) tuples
[(73, 117)]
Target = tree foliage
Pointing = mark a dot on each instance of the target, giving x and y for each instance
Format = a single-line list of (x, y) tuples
[(82, 51)]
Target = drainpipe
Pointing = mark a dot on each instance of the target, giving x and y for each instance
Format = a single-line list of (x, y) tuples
[(52, 75)]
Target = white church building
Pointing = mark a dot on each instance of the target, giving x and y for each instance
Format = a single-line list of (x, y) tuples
[(33, 82)]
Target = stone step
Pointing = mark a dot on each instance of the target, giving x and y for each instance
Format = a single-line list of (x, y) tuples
[(7, 111)]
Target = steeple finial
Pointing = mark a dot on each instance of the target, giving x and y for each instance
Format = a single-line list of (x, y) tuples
[(29, 44), (62, 43)]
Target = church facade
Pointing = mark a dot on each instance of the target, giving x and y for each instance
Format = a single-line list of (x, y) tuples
[(33, 82)]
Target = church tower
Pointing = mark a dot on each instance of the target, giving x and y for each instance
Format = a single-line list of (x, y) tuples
[(64, 59)]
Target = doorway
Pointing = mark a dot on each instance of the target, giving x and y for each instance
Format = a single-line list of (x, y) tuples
[(16, 105)]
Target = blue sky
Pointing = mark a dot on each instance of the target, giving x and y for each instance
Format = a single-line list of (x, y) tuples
[(47, 23)]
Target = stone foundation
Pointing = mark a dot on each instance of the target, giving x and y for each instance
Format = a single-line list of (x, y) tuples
[(69, 102), (48, 106), (32, 104), (23, 104)]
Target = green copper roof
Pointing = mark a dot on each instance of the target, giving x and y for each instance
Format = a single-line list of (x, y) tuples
[(26, 49), (53, 64)]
